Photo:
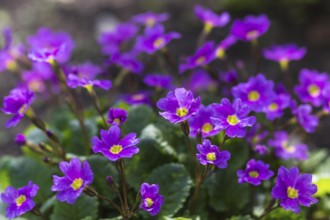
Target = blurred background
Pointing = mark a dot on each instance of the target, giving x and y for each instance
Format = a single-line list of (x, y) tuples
[(305, 22)]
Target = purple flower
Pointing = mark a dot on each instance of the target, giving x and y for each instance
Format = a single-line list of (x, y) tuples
[(258, 92), (141, 97), (77, 177), (7, 61), (179, 105), (74, 81), (203, 56), (210, 154), (19, 201), (114, 148), (220, 49), (303, 114), (294, 189), (232, 117), (250, 28), (202, 123), (210, 19), (200, 80), (20, 139), (112, 41), (288, 148), (326, 98), (16, 104), (85, 70), (311, 86), (255, 137), (151, 199), (49, 46), (284, 54), (117, 116), (154, 39), (128, 61), (254, 173), (230, 76), (158, 81), (149, 19), (275, 108)]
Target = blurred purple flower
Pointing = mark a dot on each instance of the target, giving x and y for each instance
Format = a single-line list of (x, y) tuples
[(230, 76), (303, 114), (151, 199), (128, 61), (211, 19), (275, 108), (326, 98), (86, 70), (220, 49), (254, 173), (116, 116), (142, 97), (20, 139), (200, 80), (158, 81), (150, 19), (74, 81)]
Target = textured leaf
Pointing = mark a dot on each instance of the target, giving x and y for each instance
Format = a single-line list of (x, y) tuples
[(85, 206), (175, 183)]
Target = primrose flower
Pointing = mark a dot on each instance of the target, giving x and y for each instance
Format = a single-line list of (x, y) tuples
[(7, 61), (257, 93), (283, 54), (117, 116), (203, 56), (220, 49), (150, 19), (326, 98), (311, 86), (232, 117), (303, 114), (114, 148), (85, 70), (142, 97), (48, 46), (200, 80), (250, 28), (158, 81), (151, 199), (230, 76), (293, 189), (288, 148), (154, 39), (16, 104), (179, 105), (275, 108), (255, 172), (128, 61), (76, 177), (19, 200), (20, 139), (74, 81), (255, 137), (202, 123), (210, 154), (211, 19)]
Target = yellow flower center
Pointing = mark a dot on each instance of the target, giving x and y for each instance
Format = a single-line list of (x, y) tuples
[(273, 107), (159, 42), (284, 63), (137, 97), (150, 22), (288, 148), (220, 53), (20, 200), (292, 193), (232, 120), (22, 109), (149, 202), (181, 112), (35, 85), (116, 149), (253, 96), (11, 65), (200, 60), (254, 174), (207, 127), (314, 90), (208, 26), (117, 120), (211, 156), (77, 183), (251, 35), (51, 61), (89, 88)]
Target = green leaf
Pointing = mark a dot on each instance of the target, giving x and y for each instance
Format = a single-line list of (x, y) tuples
[(174, 183), (85, 206), (239, 151), (177, 218), (323, 185), (138, 117), (284, 214), (241, 217)]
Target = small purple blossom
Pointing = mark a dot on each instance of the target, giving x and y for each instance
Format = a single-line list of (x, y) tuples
[(210, 154), (200, 80), (326, 98), (303, 114), (158, 81), (232, 117), (19, 200), (201, 123), (230, 76), (179, 105), (142, 97), (16, 104), (250, 28), (154, 39), (211, 19), (288, 148), (283, 54), (85, 70), (255, 138), (117, 116), (113, 147), (76, 177), (294, 189), (151, 199), (150, 19), (275, 108), (74, 81), (311, 86), (220, 49), (128, 61), (20, 139), (48, 46), (255, 172), (258, 92), (203, 56)]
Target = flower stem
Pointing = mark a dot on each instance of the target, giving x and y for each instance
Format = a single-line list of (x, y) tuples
[(120, 77), (121, 168), (97, 105), (268, 209)]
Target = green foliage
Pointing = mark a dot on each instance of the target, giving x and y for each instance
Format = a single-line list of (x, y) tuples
[(85, 206), (284, 214)]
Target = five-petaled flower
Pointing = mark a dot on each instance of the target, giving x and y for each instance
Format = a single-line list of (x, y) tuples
[(255, 172), (117, 116), (151, 199)]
